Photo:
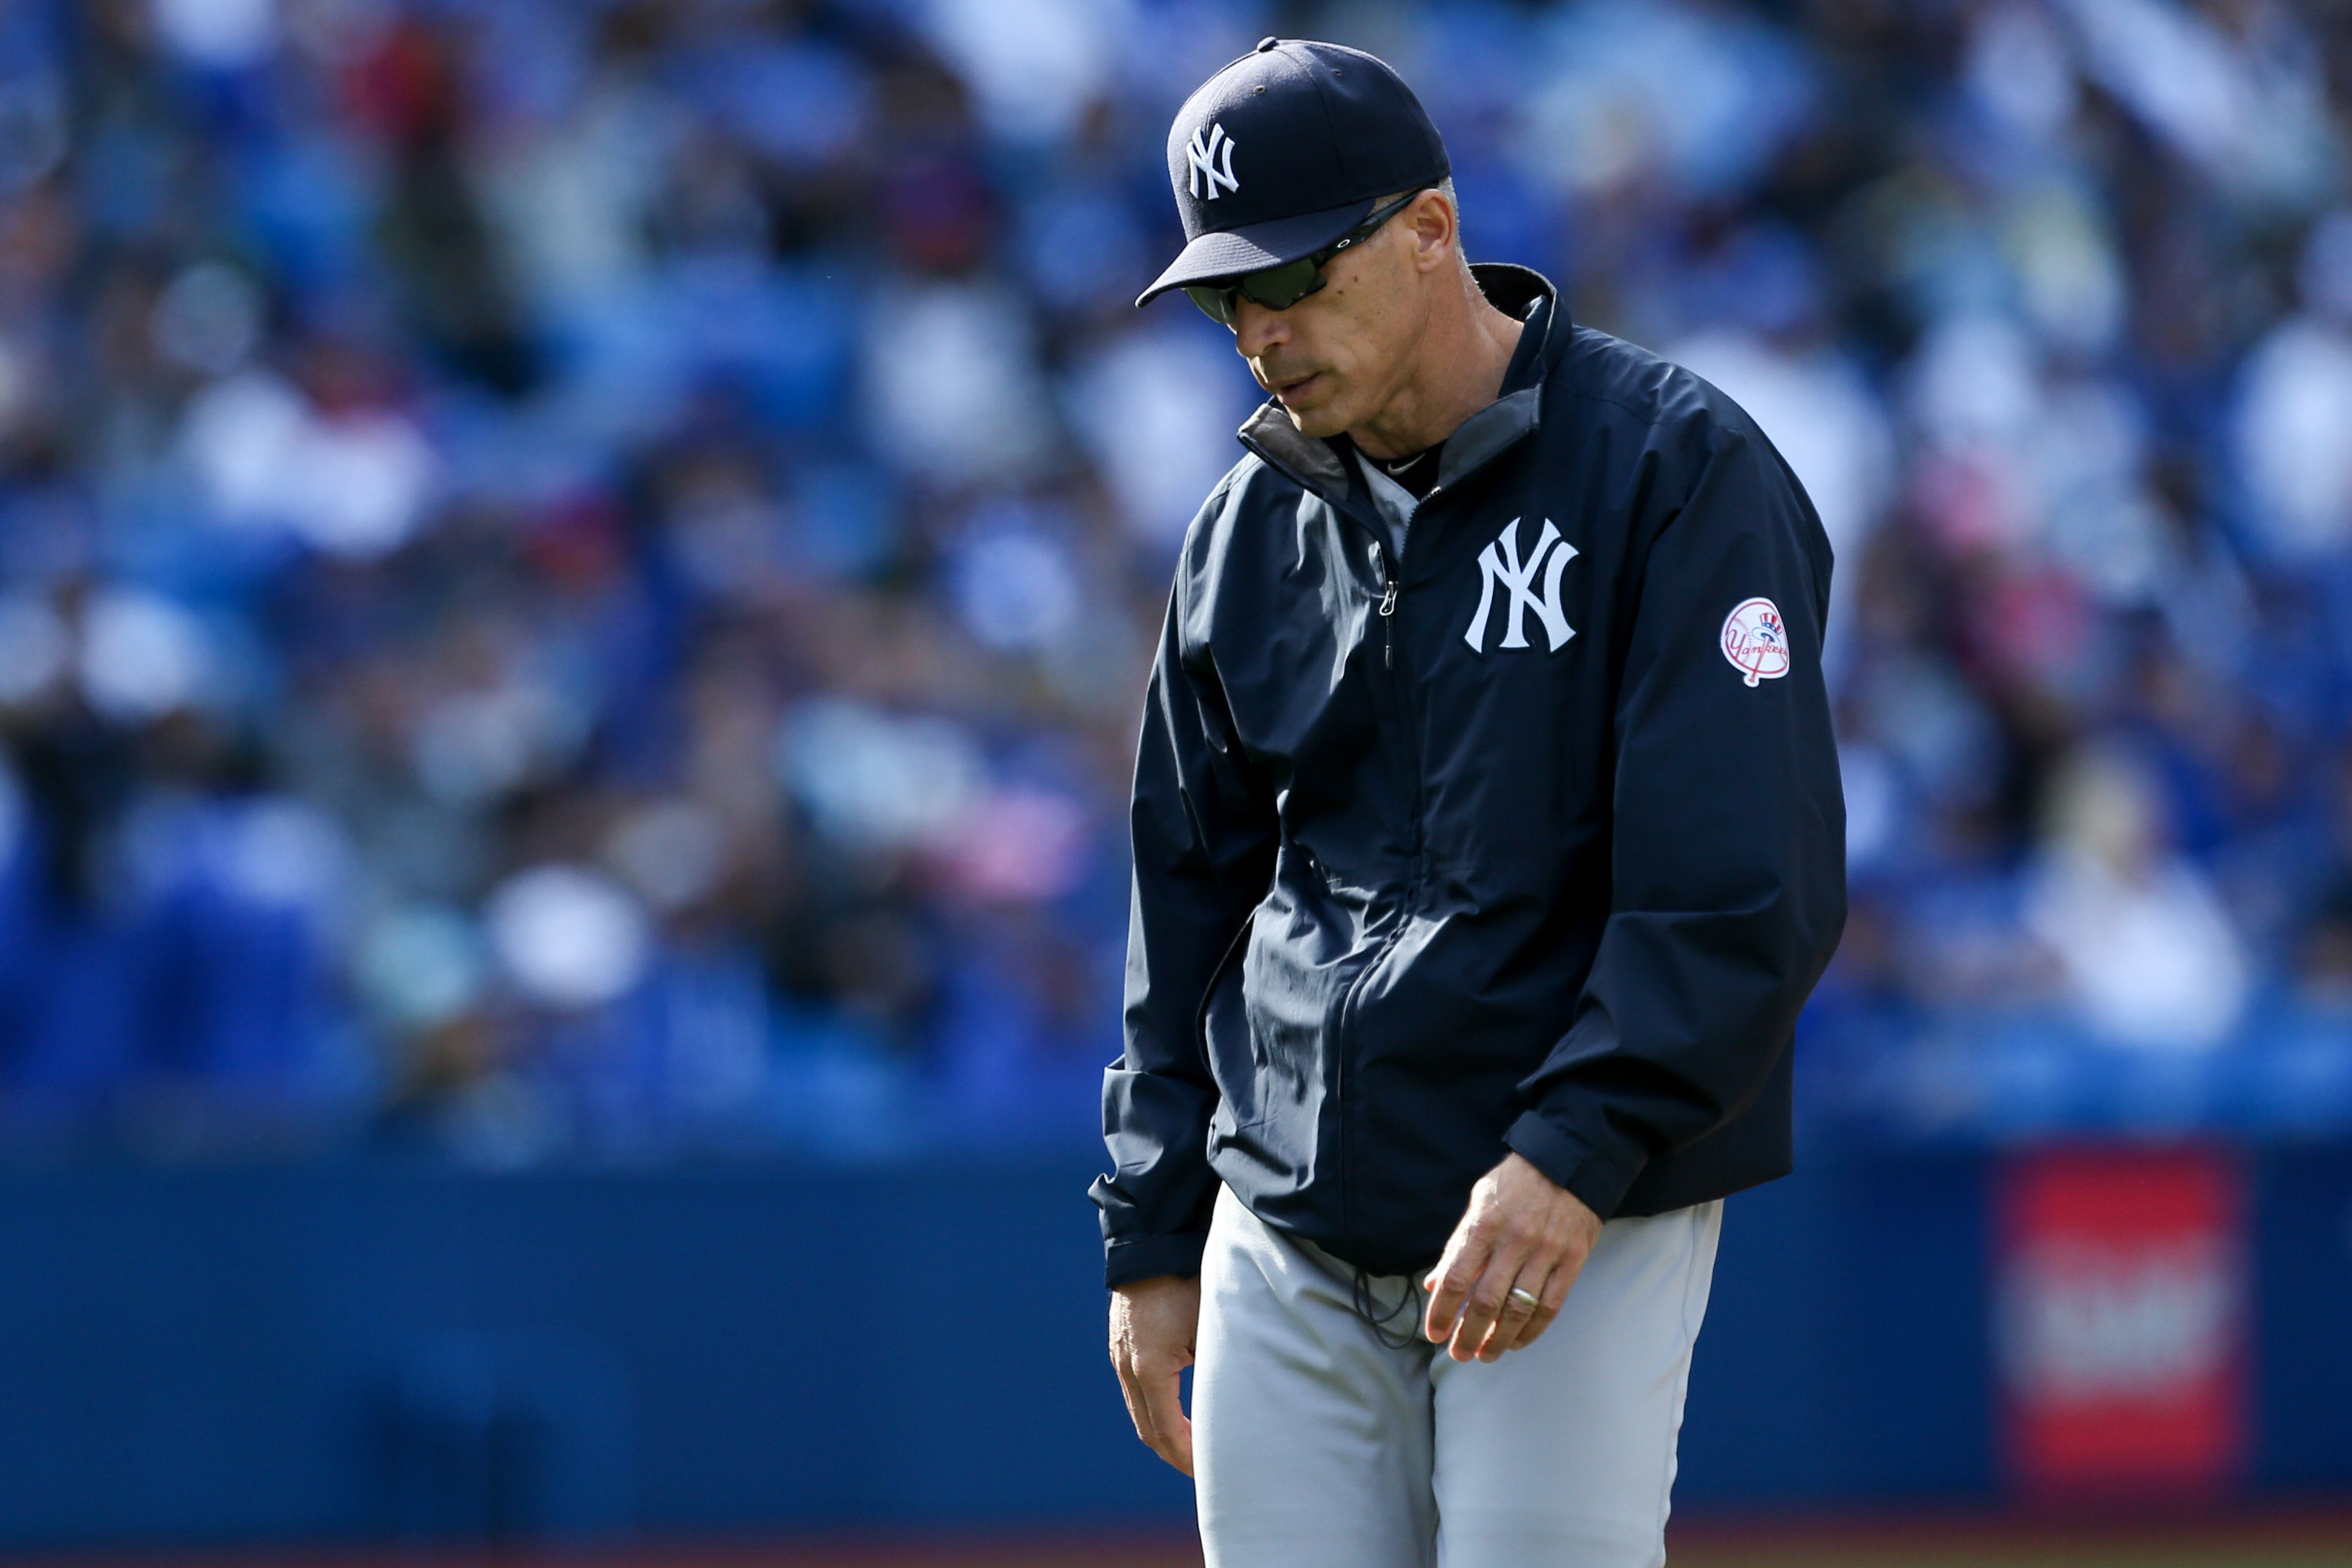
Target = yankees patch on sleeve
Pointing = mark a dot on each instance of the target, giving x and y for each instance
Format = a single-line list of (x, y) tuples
[(1756, 641)]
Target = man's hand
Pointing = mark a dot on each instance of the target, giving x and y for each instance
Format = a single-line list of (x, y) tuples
[(1153, 1324), (1521, 1229)]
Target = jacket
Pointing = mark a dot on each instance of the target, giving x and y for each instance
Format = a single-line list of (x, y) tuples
[(1530, 839)]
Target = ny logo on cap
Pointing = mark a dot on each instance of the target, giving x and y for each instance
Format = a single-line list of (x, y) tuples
[(1204, 156)]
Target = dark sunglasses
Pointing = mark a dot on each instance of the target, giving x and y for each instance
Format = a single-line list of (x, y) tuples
[(1280, 288)]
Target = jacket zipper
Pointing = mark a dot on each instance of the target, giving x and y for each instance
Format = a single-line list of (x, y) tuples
[(1418, 780), (1387, 605), (1390, 581)]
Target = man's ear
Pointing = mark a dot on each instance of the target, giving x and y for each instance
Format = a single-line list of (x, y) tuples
[(1434, 231)]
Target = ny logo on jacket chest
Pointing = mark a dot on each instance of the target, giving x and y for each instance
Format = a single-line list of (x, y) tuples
[(1500, 563)]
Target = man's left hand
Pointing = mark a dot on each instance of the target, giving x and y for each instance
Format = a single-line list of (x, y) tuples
[(1521, 1229)]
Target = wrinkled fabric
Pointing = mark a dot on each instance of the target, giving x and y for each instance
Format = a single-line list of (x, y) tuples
[(1402, 903), (1320, 1439)]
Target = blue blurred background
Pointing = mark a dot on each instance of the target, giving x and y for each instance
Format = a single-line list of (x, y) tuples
[(575, 580)]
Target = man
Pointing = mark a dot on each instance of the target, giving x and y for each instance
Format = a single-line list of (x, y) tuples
[(1487, 840)]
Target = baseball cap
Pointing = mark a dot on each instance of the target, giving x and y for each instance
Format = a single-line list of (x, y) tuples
[(1286, 149)]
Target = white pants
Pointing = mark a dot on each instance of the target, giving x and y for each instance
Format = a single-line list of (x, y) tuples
[(1317, 1445)]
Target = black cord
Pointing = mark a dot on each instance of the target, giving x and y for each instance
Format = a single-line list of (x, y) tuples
[(1365, 1301)]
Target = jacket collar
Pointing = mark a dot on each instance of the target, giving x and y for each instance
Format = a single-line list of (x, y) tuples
[(1321, 464)]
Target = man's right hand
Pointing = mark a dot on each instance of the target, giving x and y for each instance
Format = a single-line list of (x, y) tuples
[(1153, 1324)]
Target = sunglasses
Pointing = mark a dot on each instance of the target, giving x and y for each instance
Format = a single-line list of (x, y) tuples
[(1280, 288)]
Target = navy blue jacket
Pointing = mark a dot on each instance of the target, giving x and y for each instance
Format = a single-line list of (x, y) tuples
[(1532, 840)]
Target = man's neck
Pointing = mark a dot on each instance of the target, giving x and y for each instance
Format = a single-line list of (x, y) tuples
[(1457, 370)]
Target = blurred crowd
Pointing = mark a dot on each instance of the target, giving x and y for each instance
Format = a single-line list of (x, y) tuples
[(576, 575)]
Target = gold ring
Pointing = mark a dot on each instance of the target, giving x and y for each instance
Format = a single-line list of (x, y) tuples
[(1520, 1293)]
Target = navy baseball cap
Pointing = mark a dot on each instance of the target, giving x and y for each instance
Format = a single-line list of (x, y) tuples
[(1286, 149)]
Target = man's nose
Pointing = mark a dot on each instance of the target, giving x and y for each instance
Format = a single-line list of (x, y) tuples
[(1257, 329)]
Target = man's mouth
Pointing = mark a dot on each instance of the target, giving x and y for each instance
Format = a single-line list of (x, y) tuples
[(1289, 392)]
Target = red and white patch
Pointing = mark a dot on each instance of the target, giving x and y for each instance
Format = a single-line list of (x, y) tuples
[(1755, 641)]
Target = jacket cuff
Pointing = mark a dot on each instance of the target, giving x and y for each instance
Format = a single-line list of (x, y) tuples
[(1599, 1181), (1147, 1257)]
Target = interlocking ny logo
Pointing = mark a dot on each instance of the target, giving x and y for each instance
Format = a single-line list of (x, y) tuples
[(1204, 170), (1499, 562)]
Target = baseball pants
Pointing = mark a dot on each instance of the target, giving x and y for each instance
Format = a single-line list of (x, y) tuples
[(1322, 1442)]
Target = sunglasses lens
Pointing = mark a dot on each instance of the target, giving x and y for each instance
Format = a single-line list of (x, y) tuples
[(1280, 288), (1216, 304), (1275, 288)]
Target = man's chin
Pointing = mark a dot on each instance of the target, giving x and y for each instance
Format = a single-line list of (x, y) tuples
[(1318, 419)]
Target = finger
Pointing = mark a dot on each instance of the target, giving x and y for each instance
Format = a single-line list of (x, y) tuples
[(1517, 1311), (1137, 1411), (1484, 1304), (1163, 1392), (1142, 1413), (1555, 1295), (1135, 1390), (1450, 1283)]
